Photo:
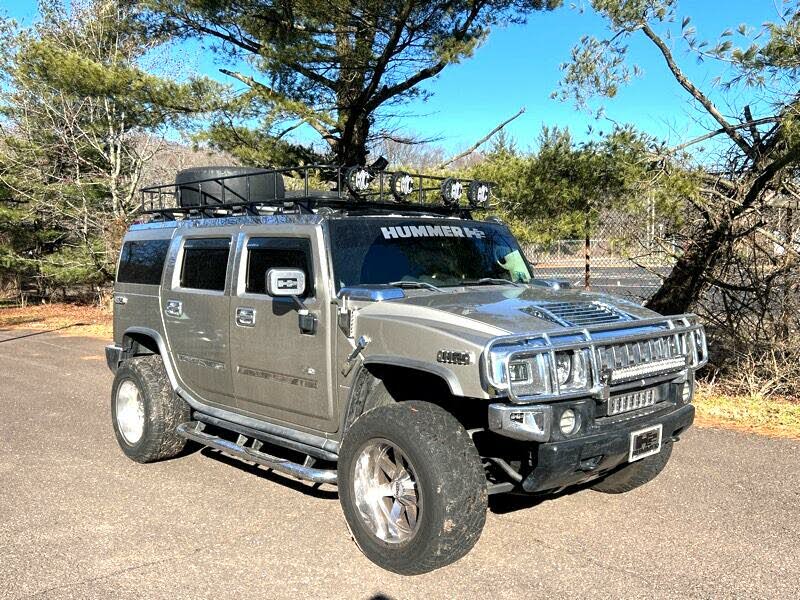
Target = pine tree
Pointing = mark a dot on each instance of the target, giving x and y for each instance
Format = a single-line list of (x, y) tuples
[(337, 66), (79, 118)]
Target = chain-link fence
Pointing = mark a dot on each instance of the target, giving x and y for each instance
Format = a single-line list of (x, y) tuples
[(622, 255)]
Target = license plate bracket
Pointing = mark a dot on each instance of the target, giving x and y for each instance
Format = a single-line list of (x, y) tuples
[(645, 442)]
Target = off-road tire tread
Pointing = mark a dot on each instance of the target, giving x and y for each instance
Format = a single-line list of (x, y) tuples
[(455, 470), (164, 411), (635, 474)]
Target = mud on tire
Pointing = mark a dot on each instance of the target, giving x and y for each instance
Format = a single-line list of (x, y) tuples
[(163, 411), (450, 482)]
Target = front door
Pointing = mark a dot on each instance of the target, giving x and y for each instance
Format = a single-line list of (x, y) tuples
[(196, 308), (280, 373)]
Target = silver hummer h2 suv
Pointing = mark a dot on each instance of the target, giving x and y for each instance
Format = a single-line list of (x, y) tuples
[(379, 338)]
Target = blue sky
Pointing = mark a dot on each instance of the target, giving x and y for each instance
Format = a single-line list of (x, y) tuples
[(519, 66)]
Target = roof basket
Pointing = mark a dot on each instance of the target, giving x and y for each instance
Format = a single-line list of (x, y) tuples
[(211, 186), (206, 192)]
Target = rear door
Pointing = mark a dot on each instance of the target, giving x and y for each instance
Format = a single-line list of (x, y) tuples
[(280, 373), (195, 305)]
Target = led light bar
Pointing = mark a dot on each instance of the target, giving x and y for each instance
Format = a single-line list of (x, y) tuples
[(648, 369)]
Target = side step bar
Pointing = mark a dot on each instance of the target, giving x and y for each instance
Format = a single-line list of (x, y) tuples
[(193, 430)]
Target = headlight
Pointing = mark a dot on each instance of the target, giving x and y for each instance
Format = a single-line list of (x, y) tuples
[(535, 371), (531, 376), (571, 370), (700, 347), (563, 366)]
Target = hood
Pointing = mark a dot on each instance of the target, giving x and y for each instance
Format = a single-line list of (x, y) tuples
[(528, 309)]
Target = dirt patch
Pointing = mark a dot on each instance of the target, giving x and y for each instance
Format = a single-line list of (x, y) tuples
[(69, 319)]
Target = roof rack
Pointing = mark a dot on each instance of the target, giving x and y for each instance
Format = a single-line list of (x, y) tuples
[(354, 189)]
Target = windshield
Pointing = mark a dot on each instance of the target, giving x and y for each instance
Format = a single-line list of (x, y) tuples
[(374, 251)]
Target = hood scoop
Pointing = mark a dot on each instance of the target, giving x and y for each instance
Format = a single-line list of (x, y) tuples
[(577, 314)]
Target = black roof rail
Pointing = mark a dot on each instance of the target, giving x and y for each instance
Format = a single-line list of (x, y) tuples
[(355, 189)]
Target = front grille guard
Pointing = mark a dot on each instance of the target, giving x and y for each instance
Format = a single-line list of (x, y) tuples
[(689, 337)]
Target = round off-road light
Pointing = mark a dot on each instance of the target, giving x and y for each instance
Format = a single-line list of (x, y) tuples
[(478, 194), (401, 184), (452, 189), (358, 179), (569, 422)]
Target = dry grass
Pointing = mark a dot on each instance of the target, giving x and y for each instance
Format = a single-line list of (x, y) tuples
[(70, 319), (778, 417)]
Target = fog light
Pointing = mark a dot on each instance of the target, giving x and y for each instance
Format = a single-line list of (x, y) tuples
[(686, 393), (568, 422)]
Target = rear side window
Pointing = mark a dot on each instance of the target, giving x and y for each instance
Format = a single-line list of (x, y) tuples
[(142, 261), (205, 262), (264, 254)]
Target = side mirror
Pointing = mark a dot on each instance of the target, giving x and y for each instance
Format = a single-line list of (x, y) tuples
[(285, 282), (292, 283)]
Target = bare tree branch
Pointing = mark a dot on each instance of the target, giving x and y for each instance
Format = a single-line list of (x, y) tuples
[(682, 79), (482, 141)]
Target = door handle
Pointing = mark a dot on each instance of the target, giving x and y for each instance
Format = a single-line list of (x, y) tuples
[(245, 317), (174, 308)]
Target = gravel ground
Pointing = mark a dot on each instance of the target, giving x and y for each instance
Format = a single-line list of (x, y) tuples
[(79, 520)]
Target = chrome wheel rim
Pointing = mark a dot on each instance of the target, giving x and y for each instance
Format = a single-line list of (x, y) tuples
[(130, 412), (387, 492)]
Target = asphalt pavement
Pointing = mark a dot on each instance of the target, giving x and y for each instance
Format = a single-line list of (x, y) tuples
[(79, 520), (628, 281)]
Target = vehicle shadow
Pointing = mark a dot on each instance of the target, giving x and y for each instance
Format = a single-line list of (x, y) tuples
[(498, 504), (501, 504), (310, 489)]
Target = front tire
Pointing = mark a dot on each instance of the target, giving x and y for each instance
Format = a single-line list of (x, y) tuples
[(145, 411), (636, 474), (412, 487)]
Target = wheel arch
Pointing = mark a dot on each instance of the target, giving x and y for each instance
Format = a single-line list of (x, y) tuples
[(404, 381), (137, 338), (138, 343)]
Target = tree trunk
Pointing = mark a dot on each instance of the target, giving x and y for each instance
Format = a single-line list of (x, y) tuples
[(351, 149), (684, 284)]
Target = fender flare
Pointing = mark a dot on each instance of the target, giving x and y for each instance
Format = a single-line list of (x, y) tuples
[(399, 361)]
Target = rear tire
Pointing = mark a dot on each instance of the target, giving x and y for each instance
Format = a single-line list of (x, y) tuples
[(145, 411), (439, 489), (635, 474)]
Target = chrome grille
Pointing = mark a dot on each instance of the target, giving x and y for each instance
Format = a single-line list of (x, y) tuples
[(579, 314), (632, 401)]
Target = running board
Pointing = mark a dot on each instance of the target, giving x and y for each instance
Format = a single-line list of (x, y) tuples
[(193, 430)]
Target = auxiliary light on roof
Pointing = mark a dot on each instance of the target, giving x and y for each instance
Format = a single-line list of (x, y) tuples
[(358, 179), (452, 189), (401, 184), (478, 193)]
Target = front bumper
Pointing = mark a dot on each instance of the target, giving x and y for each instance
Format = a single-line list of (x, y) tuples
[(113, 357), (571, 462)]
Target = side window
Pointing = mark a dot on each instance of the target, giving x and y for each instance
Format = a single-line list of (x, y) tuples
[(142, 261), (205, 262), (264, 254)]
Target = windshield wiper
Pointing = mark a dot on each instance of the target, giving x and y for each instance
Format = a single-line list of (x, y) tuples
[(416, 284), (491, 281)]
